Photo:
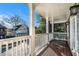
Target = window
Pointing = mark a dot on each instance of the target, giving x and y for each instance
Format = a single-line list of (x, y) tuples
[(60, 27)]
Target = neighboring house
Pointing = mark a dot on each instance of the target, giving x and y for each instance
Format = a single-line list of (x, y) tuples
[(22, 30), (3, 31), (8, 30), (18, 30), (10, 33)]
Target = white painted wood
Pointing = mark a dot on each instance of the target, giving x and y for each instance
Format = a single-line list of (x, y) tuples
[(26, 47), (51, 36), (52, 22), (0, 48), (23, 48), (16, 48), (76, 34), (68, 33), (20, 47), (6, 48), (31, 32), (32, 29), (60, 36), (12, 49), (47, 24), (41, 40), (72, 32)]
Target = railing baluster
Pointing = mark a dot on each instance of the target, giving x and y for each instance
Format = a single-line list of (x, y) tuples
[(0, 49), (24, 47), (12, 49), (16, 48), (29, 53), (6, 48), (20, 47)]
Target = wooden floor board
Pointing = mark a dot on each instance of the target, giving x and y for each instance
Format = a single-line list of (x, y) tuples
[(60, 47)]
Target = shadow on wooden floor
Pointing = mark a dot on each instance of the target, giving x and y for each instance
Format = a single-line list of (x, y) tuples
[(58, 47)]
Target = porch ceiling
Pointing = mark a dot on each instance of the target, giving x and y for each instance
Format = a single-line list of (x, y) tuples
[(56, 10)]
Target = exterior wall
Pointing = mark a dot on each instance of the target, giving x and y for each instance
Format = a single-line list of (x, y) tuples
[(10, 32), (74, 34), (22, 31)]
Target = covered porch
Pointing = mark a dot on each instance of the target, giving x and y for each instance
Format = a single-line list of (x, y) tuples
[(50, 43), (58, 42)]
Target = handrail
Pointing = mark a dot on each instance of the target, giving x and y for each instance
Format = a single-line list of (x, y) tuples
[(60, 35)]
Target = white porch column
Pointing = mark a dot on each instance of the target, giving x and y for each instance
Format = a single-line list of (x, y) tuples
[(52, 28), (52, 25), (68, 32), (32, 30), (74, 35), (47, 23), (47, 26), (47, 18)]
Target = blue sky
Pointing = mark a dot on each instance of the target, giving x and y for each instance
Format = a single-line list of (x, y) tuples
[(19, 9)]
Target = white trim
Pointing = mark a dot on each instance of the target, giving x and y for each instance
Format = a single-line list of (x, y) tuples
[(60, 21), (76, 47), (47, 19)]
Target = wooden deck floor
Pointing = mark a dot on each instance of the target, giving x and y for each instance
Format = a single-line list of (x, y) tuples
[(56, 48)]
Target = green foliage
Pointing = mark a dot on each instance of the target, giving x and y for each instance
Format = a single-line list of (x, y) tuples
[(42, 27), (60, 27), (38, 31)]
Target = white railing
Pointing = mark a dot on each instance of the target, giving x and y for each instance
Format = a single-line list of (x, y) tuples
[(18, 46), (40, 41), (60, 36), (50, 36)]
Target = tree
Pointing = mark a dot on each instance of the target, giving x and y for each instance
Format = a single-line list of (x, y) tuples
[(42, 27), (16, 20)]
